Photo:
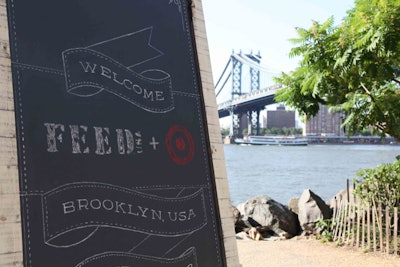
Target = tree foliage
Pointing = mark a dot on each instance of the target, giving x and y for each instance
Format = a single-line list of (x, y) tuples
[(224, 131), (352, 67)]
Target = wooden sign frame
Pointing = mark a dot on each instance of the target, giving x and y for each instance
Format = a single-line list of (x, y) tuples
[(12, 247)]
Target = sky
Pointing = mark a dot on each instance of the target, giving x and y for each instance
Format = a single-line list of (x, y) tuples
[(263, 26)]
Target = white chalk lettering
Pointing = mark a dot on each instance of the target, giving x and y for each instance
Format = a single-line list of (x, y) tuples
[(138, 90), (81, 205), (108, 73), (68, 207), (148, 95), (181, 215), (97, 202), (156, 215), (108, 204), (54, 133), (119, 208), (159, 96), (143, 211), (125, 143), (127, 84), (191, 214), (78, 139), (88, 66), (138, 139), (116, 80), (131, 212), (98, 140), (102, 140)]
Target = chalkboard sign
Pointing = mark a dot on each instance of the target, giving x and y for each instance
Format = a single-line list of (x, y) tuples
[(114, 162)]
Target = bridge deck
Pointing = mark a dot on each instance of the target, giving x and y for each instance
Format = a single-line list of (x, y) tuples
[(253, 100)]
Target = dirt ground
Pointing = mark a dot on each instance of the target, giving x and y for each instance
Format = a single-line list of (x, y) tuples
[(307, 252)]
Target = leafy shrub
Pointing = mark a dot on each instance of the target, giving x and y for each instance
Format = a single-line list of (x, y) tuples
[(380, 185), (325, 233)]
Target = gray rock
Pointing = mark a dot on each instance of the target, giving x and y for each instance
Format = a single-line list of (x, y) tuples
[(293, 205), (236, 215), (311, 209), (341, 196), (266, 212)]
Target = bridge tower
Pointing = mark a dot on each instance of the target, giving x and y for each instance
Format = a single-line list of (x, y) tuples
[(235, 129), (236, 77), (251, 118)]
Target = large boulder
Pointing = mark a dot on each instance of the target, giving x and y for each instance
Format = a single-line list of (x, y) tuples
[(342, 196), (293, 205), (263, 211), (240, 224), (311, 209)]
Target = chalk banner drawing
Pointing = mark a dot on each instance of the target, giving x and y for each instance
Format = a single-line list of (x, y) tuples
[(114, 163), (110, 206), (93, 72)]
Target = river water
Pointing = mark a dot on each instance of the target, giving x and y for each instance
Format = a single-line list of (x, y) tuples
[(283, 172)]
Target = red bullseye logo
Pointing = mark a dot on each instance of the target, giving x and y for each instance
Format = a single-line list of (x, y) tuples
[(180, 145)]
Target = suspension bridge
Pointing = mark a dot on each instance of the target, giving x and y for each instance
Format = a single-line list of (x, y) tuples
[(243, 90)]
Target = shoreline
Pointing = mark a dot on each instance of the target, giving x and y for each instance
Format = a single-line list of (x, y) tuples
[(336, 140)]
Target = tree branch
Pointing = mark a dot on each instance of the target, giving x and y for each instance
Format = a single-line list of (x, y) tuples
[(380, 127), (396, 81), (385, 127), (367, 91)]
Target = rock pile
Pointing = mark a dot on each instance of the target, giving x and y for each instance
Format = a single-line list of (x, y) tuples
[(261, 217)]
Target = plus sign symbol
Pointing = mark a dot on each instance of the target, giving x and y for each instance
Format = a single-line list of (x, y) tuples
[(180, 145)]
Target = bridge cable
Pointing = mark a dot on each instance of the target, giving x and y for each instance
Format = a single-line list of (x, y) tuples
[(254, 65), (222, 87), (227, 64)]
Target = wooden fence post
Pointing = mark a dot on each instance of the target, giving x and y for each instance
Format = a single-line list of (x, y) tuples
[(358, 225), (353, 228), (346, 222), (342, 215), (337, 219), (387, 222), (349, 223), (363, 228), (369, 227), (396, 223), (380, 226), (374, 226)]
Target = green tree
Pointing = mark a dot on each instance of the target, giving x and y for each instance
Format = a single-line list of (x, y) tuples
[(352, 67), (224, 131), (263, 131)]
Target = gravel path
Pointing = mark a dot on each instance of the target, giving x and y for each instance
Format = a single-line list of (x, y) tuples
[(307, 253)]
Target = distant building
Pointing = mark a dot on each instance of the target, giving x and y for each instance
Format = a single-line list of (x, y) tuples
[(280, 118), (325, 123)]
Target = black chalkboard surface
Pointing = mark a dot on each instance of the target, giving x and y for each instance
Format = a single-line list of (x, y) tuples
[(114, 162)]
